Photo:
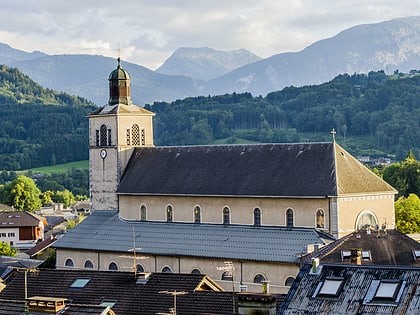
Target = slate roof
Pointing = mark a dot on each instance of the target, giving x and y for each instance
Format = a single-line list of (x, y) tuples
[(280, 170), (105, 231), (390, 248), (121, 287), (356, 294)]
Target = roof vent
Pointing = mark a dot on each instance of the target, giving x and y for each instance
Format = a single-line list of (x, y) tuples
[(142, 277)]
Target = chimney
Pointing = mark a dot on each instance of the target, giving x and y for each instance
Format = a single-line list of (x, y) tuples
[(45, 305), (356, 256)]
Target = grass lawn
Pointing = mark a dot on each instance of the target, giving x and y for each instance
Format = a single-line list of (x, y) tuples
[(60, 168)]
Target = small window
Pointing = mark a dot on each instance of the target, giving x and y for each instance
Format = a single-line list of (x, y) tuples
[(103, 136), (113, 266), (88, 264), (169, 214), (195, 271), (345, 254), (227, 276), (289, 281), (416, 254), (387, 291), (197, 214), (80, 283), (259, 278), (320, 219), (166, 269), (143, 213), (139, 268), (109, 303), (289, 218), (226, 215), (69, 263), (257, 216), (330, 287), (366, 255)]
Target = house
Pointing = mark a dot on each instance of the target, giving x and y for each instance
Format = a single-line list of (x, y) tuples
[(370, 247), (21, 229), (354, 289), (123, 292), (259, 206)]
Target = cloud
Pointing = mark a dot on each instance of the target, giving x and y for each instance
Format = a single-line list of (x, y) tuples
[(148, 31)]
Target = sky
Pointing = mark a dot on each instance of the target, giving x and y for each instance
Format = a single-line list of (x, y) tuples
[(147, 32)]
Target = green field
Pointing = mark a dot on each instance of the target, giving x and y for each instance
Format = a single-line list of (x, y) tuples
[(60, 168)]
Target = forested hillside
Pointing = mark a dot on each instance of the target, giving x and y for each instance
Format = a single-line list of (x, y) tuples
[(372, 112), (39, 126)]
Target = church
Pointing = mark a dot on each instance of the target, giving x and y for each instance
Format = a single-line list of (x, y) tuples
[(242, 214)]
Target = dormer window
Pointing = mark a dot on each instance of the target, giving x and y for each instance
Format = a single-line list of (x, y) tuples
[(416, 254)]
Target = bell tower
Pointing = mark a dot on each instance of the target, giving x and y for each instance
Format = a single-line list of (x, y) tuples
[(114, 131)]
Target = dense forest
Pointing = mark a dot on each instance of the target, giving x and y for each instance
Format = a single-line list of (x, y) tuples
[(372, 113), (39, 126)]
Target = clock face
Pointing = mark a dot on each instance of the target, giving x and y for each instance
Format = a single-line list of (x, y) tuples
[(103, 153)]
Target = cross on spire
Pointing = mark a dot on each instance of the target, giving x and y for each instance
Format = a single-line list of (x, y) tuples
[(333, 132)]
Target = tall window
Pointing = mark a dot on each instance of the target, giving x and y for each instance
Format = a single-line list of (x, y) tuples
[(320, 218), (169, 213), (197, 214), (257, 216), (143, 213), (289, 218), (226, 215), (103, 136), (135, 134)]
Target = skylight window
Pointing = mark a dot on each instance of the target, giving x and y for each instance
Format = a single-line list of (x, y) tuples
[(387, 289), (80, 283), (109, 303), (330, 287)]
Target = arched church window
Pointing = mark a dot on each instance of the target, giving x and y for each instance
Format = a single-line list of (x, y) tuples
[(259, 278), (139, 268), (69, 263), (257, 216), (289, 281), (166, 269), (88, 264), (143, 213), (169, 213), (227, 276), (197, 214), (320, 219), (226, 215), (366, 218), (135, 135), (289, 218), (113, 266), (196, 271)]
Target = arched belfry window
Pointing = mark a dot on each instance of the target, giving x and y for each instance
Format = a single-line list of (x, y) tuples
[(169, 213), (320, 219), (289, 218), (226, 215), (257, 216), (197, 214), (103, 136)]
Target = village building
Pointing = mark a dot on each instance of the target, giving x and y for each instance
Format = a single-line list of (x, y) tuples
[(190, 209)]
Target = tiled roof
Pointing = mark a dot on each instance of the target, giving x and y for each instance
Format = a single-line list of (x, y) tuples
[(390, 248), (356, 296), (279, 170), (105, 231), (121, 287), (19, 219), (39, 247)]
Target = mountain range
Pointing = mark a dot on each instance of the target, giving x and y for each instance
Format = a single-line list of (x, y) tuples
[(389, 46)]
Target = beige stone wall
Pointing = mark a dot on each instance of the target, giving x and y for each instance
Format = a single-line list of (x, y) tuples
[(273, 210), (351, 207), (244, 273)]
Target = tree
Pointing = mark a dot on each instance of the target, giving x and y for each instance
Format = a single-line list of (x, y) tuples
[(22, 194), (7, 250), (407, 214)]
